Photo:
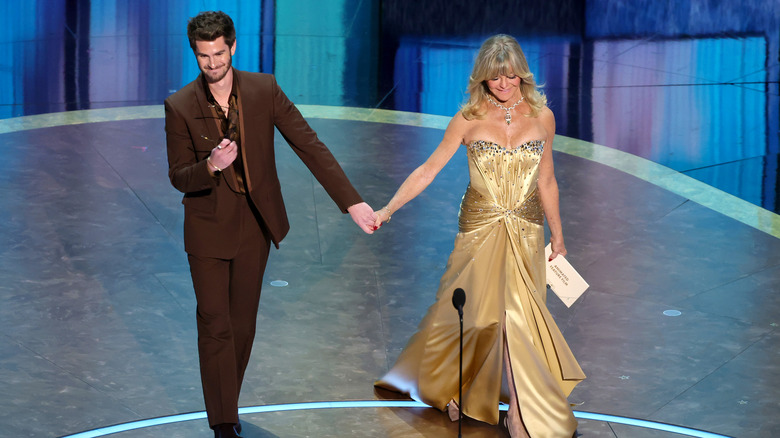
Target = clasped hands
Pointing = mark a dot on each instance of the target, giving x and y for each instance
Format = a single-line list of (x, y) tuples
[(367, 219)]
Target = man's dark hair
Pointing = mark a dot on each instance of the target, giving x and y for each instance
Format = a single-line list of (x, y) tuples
[(210, 25)]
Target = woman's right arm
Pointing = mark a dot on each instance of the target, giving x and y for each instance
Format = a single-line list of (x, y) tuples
[(421, 177)]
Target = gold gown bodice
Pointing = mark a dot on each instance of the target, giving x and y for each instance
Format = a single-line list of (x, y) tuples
[(502, 184)]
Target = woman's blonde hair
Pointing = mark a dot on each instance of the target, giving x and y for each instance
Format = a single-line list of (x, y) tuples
[(499, 55)]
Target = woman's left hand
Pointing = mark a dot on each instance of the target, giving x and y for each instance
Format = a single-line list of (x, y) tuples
[(558, 248)]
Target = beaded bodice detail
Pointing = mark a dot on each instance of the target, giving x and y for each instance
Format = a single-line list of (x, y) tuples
[(502, 185)]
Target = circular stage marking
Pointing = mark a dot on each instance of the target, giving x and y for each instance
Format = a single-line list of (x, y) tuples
[(103, 431)]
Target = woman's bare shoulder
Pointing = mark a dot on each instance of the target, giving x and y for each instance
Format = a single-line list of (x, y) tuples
[(459, 126), (546, 114), (547, 119)]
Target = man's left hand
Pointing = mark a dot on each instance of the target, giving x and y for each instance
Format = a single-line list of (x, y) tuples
[(364, 216)]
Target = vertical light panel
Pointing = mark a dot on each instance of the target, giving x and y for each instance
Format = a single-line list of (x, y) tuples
[(323, 49), (672, 102), (311, 51)]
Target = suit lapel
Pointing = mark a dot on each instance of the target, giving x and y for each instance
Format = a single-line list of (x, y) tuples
[(211, 124), (207, 114), (242, 132)]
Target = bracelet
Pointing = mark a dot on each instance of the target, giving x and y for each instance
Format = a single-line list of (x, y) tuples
[(389, 214), (216, 169)]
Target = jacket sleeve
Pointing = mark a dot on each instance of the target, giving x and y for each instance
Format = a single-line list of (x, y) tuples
[(187, 167), (317, 157)]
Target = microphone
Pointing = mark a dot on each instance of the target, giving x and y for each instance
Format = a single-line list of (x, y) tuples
[(458, 300)]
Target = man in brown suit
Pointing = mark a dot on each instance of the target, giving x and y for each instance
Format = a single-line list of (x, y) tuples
[(220, 131)]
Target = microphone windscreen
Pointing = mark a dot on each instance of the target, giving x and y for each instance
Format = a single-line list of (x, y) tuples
[(458, 298)]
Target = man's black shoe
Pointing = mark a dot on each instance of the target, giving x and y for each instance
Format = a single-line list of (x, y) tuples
[(226, 430)]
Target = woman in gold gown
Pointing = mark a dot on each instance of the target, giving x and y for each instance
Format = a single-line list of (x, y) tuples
[(498, 260)]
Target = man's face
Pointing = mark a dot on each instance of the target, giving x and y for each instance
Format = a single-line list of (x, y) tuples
[(214, 58)]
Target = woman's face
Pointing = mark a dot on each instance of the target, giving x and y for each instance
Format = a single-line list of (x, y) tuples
[(505, 87)]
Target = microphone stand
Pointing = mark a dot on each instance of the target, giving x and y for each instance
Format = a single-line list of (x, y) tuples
[(458, 300), (460, 376)]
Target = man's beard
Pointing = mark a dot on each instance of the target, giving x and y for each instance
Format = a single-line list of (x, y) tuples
[(212, 80)]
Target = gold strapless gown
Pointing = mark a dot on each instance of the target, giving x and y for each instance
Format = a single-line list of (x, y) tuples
[(499, 262)]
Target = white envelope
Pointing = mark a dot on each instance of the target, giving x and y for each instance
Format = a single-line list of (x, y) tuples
[(563, 279)]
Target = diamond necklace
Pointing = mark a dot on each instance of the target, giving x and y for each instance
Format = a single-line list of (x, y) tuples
[(507, 117)]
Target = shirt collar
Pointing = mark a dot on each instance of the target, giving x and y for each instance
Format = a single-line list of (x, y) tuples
[(207, 90)]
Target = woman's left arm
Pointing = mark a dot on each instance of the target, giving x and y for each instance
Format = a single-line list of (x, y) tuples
[(548, 187)]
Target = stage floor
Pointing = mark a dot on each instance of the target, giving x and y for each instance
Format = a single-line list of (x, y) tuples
[(98, 315)]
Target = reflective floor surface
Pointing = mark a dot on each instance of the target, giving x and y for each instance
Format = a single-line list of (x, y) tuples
[(666, 158)]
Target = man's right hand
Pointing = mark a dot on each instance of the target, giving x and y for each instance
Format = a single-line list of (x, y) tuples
[(223, 155)]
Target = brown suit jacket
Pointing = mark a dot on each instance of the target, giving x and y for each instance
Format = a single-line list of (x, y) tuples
[(210, 220)]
